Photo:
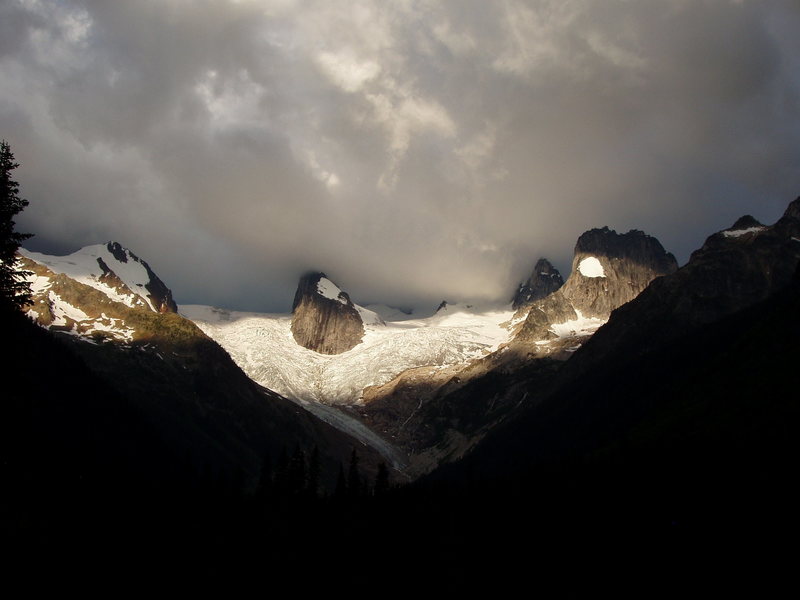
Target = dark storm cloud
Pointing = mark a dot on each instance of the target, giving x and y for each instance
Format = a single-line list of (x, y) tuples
[(413, 150)]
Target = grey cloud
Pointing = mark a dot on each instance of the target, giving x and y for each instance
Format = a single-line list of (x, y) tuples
[(414, 151)]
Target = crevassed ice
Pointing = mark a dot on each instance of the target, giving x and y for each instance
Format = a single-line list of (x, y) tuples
[(263, 346)]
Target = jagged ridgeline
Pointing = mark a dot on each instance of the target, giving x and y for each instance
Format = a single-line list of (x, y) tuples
[(422, 389), (438, 415), (608, 270), (544, 280), (689, 383)]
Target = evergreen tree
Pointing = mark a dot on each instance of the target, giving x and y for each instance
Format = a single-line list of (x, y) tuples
[(296, 474), (264, 487), (14, 290), (353, 476), (314, 469), (382, 480), (341, 485), (281, 479)]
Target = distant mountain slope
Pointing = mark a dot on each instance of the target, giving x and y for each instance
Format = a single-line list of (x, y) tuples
[(113, 270), (195, 396), (734, 269), (438, 415), (691, 383)]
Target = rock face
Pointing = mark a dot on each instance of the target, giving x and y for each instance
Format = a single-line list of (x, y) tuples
[(697, 373), (159, 294), (324, 319), (544, 280), (734, 269), (608, 270)]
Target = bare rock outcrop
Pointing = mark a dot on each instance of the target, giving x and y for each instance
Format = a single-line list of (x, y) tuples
[(324, 319), (544, 280), (159, 294), (610, 269)]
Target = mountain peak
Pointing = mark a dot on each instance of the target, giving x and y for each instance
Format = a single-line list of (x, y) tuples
[(610, 269), (544, 280), (114, 270), (793, 210), (324, 319), (746, 222)]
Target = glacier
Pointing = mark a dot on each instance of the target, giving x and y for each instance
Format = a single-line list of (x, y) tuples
[(263, 346)]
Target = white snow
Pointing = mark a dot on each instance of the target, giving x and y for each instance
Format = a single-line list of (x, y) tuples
[(83, 267), (62, 311), (111, 326), (577, 327), (741, 232), (390, 313), (591, 267), (328, 289), (263, 346), (38, 284), (369, 317), (79, 323)]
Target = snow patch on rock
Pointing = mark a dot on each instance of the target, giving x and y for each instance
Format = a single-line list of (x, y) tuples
[(582, 326), (740, 232), (591, 267), (63, 310), (327, 289), (83, 267)]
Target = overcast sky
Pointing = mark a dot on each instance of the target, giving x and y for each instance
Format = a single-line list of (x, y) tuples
[(412, 150)]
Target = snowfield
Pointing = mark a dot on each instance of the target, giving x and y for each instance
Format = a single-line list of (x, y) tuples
[(263, 347), (580, 327), (83, 267)]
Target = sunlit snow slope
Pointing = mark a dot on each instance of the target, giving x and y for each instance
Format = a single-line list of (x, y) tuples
[(86, 266), (263, 346)]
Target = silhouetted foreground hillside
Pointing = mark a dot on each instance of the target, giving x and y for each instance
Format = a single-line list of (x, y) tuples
[(652, 474)]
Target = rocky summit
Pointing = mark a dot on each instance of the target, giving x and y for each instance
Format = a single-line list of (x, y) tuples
[(733, 270), (94, 294), (109, 268), (544, 280), (608, 270), (324, 319)]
